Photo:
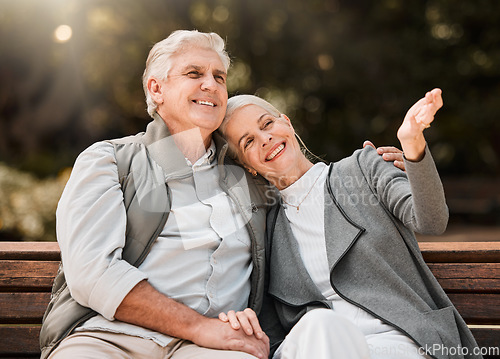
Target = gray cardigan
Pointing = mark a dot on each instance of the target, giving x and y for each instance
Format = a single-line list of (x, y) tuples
[(371, 212)]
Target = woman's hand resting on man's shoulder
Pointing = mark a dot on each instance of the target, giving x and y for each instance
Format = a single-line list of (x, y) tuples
[(389, 154)]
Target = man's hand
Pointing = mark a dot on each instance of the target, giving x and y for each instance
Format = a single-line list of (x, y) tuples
[(217, 334), (389, 154), (148, 308)]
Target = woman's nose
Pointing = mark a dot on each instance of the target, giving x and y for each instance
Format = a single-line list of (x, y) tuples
[(266, 139)]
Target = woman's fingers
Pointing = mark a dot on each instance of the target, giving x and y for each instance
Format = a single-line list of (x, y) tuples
[(233, 320), (223, 317), (395, 155), (368, 143), (246, 320), (389, 154), (425, 110), (254, 323), (391, 150)]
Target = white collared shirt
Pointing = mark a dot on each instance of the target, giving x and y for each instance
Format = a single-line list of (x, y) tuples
[(201, 258)]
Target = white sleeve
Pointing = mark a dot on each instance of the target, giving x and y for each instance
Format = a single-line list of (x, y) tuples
[(91, 223)]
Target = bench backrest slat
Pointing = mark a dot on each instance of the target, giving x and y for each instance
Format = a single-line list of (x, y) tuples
[(27, 276), (39, 251), (467, 277), (23, 308), (20, 340), (477, 308), (469, 273), (461, 252)]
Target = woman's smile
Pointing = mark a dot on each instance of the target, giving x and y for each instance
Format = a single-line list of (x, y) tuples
[(276, 151), (266, 143)]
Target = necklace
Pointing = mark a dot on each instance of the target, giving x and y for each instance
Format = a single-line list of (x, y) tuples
[(307, 194)]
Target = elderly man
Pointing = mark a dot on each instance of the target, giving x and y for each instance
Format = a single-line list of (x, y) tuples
[(159, 232)]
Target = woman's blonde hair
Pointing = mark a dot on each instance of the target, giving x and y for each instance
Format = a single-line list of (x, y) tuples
[(239, 101)]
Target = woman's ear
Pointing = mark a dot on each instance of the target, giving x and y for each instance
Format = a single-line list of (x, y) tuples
[(155, 90), (288, 120), (251, 170)]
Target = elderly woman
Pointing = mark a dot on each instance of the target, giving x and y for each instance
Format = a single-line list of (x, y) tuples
[(346, 278)]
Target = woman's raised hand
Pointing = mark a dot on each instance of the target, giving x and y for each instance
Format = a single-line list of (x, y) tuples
[(246, 320), (417, 119)]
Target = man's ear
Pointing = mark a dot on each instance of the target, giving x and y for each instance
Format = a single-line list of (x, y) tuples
[(155, 90)]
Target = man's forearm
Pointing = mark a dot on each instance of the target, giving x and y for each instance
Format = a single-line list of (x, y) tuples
[(146, 307)]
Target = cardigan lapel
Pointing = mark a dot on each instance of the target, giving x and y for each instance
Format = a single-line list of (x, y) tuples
[(289, 280), (340, 231)]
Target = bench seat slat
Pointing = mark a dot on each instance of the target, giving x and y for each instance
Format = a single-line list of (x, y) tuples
[(19, 308), (27, 276)]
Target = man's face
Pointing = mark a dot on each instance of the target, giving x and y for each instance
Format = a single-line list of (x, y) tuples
[(194, 95)]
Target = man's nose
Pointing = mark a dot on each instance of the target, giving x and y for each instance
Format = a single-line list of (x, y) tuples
[(209, 83)]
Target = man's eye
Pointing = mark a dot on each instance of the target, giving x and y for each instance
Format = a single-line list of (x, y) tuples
[(193, 74), (220, 79)]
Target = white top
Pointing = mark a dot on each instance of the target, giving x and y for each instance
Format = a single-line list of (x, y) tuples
[(309, 230), (308, 224), (203, 237)]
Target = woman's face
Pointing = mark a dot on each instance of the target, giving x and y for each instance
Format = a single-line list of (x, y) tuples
[(264, 143)]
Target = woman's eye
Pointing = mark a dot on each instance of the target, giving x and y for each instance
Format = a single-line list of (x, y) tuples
[(267, 123), (248, 143)]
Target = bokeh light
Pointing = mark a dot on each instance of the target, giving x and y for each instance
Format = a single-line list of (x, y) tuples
[(63, 33)]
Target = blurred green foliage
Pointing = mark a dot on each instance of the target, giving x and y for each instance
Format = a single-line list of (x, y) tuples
[(344, 71), (28, 205)]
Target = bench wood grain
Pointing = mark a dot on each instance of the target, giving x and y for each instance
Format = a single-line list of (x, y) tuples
[(468, 271)]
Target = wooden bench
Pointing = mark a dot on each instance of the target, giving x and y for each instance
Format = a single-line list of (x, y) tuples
[(468, 271)]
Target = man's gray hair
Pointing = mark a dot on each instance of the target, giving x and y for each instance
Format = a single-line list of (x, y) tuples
[(159, 61)]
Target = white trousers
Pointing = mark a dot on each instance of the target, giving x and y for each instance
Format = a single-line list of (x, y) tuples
[(354, 334)]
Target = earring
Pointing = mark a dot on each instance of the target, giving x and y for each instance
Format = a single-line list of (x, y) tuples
[(252, 172)]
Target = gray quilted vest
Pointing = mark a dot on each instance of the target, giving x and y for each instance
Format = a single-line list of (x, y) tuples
[(143, 162)]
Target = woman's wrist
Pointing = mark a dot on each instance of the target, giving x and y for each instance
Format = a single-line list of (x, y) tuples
[(414, 149)]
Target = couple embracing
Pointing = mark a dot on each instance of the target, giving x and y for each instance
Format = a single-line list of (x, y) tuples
[(187, 242)]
